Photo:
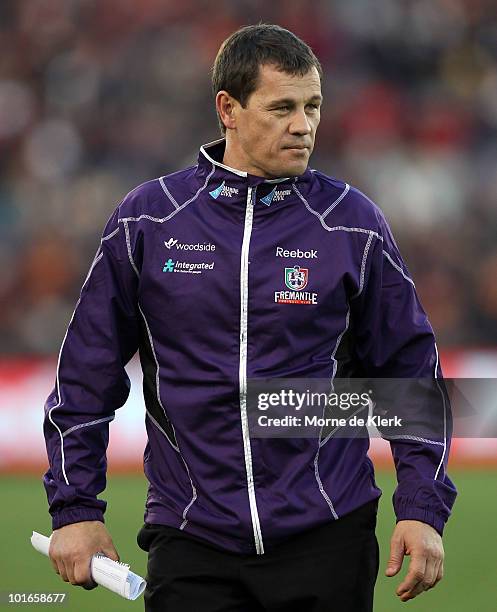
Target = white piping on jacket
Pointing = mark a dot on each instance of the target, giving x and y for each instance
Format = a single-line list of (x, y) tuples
[(89, 424), (133, 265), (242, 373), (176, 210), (445, 420), (97, 258), (398, 268), (167, 192), (337, 201)]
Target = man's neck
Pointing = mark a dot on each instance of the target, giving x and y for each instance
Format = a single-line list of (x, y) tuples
[(235, 158)]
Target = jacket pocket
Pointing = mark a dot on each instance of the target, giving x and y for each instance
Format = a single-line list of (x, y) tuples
[(150, 534)]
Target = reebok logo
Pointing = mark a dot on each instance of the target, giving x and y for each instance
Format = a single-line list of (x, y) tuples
[(185, 246), (223, 190), (296, 254)]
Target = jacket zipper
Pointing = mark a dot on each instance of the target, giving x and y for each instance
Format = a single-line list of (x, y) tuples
[(244, 265)]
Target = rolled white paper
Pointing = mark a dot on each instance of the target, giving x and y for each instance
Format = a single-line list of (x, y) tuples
[(115, 576)]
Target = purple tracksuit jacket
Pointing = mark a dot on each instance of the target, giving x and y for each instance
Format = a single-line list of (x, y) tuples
[(217, 277)]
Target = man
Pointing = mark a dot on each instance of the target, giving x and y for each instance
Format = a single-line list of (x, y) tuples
[(203, 271)]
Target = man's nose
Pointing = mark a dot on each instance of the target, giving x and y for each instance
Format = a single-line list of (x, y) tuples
[(300, 123)]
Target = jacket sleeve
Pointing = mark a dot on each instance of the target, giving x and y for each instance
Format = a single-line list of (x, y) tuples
[(395, 343), (91, 382)]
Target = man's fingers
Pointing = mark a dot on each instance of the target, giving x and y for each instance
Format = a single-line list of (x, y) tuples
[(59, 566), (53, 559), (440, 574), (54, 565), (72, 547), (90, 585), (82, 573), (396, 556), (431, 573), (427, 583), (417, 590), (69, 565), (62, 570), (415, 574), (424, 545), (75, 570), (111, 552)]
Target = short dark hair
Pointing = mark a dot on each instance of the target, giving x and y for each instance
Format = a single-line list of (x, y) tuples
[(236, 67)]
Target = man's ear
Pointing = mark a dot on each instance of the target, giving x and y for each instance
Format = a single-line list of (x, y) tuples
[(226, 109)]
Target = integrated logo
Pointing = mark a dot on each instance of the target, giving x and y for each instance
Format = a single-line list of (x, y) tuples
[(276, 195), (223, 190), (296, 279), (168, 266), (187, 267), (187, 246), (297, 253)]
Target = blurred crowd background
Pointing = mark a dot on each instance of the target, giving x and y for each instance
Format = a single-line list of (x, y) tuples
[(99, 96)]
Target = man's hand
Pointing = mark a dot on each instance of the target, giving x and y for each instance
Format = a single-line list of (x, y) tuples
[(424, 545), (72, 547)]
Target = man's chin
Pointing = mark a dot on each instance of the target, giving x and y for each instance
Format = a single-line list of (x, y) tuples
[(294, 169)]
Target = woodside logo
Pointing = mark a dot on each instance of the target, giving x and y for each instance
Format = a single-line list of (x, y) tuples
[(185, 246)]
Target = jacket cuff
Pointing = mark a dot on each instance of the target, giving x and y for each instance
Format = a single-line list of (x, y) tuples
[(414, 513), (76, 514)]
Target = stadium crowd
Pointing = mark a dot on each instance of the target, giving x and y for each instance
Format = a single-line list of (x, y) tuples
[(96, 97)]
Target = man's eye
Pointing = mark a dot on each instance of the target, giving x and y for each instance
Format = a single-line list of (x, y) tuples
[(282, 108), (314, 106)]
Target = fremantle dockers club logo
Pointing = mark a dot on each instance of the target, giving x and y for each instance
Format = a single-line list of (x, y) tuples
[(296, 278)]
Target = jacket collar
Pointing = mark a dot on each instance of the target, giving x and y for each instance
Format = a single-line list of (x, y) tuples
[(211, 169)]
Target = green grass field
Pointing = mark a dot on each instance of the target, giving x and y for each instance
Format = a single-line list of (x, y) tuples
[(470, 540)]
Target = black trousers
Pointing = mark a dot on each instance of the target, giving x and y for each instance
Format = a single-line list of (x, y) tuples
[(332, 568)]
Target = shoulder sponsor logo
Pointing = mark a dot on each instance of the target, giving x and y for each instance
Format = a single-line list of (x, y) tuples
[(188, 246), (224, 191), (215, 193), (297, 253), (276, 195), (296, 279)]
